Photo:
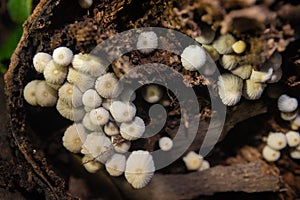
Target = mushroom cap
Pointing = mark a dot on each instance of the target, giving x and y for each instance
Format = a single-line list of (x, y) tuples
[(85, 3), (70, 94), (139, 168), (243, 71), (275, 61), (99, 116), (293, 138), (147, 42), (165, 143), (81, 80), (252, 90), (277, 140), (223, 44), (228, 62), (91, 98), (152, 93), (207, 35), (230, 89), (122, 111), (192, 161), (132, 130), (193, 57), (68, 112), (40, 60), (295, 154), (211, 51), (46, 96), (120, 147), (239, 46), (108, 86), (262, 76), (288, 116), (89, 64), (74, 137), (286, 103), (98, 146), (55, 73), (205, 165), (87, 123), (89, 164), (111, 129), (270, 154), (115, 166), (296, 121), (62, 56), (29, 92)]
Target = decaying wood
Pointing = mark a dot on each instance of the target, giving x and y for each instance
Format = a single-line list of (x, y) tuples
[(252, 177)]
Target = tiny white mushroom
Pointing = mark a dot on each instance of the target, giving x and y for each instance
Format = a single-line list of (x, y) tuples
[(261, 76), (152, 93), (122, 111), (91, 99), (193, 57), (108, 86), (89, 64), (165, 143), (86, 121), (288, 116), (252, 90), (69, 112), (132, 130), (55, 73), (230, 89), (99, 116), (111, 129), (29, 92), (90, 164), (205, 165), (147, 42), (70, 94), (40, 60), (270, 154), (243, 71), (192, 161), (139, 169), (115, 166), (223, 44), (229, 61), (120, 147), (74, 137), (62, 56), (287, 104), (293, 138), (277, 140), (295, 154), (81, 80), (45, 95), (296, 122)]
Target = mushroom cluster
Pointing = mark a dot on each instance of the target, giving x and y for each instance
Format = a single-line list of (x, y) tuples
[(194, 161), (241, 78), (277, 141)]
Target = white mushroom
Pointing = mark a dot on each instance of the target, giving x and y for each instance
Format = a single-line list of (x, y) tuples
[(71, 95), (62, 56), (293, 138), (108, 86), (74, 137), (192, 160), (165, 143), (115, 166), (81, 80), (243, 71), (252, 90), (54, 73), (122, 111), (132, 130), (89, 64), (29, 92), (40, 60), (270, 154), (277, 140), (45, 95), (90, 164), (193, 57), (69, 112), (99, 116), (223, 44), (152, 93), (287, 104), (147, 42)]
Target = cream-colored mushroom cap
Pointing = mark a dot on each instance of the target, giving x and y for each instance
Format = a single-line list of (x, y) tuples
[(120, 146), (239, 46), (277, 140), (152, 93), (211, 51), (74, 137), (193, 57), (207, 35), (62, 56), (111, 129), (205, 165), (295, 154), (99, 116), (69, 112), (252, 90), (288, 116), (192, 160), (29, 92), (55, 73), (139, 169), (86, 121), (122, 111), (165, 143), (229, 61), (89, 64), (262, 76), (40, 60), (91, 99), (293, 138), (90, 164), (71, 95), (132, 130), (115, 166), (270, 154), (81, 80), (45, 95), (287, 104), (223, 44), (243, 71), (108, 86), (147, 42), (230, 89)]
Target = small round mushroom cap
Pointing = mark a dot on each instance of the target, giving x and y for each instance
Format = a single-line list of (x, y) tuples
[(293, 138), (90, 164), (62, 56), (132, 130), (243, 71), (276, 76), (211, 51), (152, 93), (115, 166), (229, 62), (122, 111), (192, 161), (89, 64), (74, 137), (277, 140), (193, 57), (288, 116), (29, 92), (287, 104), (98, 146), (296, 121), (205, 165), (139, 169), (68, 112), (207, 35), (147, 42), (275, 61), (81, 80), (46, 96), (40, 60), (85, 3), (295, 154), (87, 123), (71, 95), (165, 143), (230, 89), (223, 44), (55, 73), (99, 116), (252, 90), (270, 154), (120, 145), (91, 99), (111, 129), (108, 86), (262, 76), (239, 46)]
